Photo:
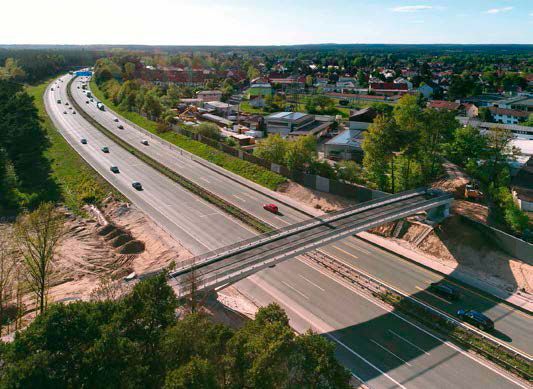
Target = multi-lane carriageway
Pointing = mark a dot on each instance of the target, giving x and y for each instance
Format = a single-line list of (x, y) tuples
[(378, 346), (232, 263)]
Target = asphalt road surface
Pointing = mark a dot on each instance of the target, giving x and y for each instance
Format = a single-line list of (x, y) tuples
[(361, 328), (513, 326)]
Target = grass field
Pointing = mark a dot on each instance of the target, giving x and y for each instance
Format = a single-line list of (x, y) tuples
[(245, 169), (79, 183)]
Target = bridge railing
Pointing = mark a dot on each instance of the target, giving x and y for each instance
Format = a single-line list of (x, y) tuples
[(216, 277), (295, 228)]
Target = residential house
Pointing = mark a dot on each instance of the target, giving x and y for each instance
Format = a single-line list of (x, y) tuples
[(209, 95), (296, 124), (401, 80), (508, 116), (426, 90), (220, 108), (444, 105), (387, 88), (521, 103), (471, 110)]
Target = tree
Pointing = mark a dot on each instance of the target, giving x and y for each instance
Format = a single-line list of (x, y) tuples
[(467, 144), (196, 374), (273, 149), (485, 115), (152, 105), (252, 72), (8, 266), (300, 152), (319, 104), (350, 171), (37, 235), (209, 130)]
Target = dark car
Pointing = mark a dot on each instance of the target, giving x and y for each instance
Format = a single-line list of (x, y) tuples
[(144, 142), (476, 318), (105, 149), (114, 169), (120, 127), (87, 102), (137, 185), (445, 290), (67, 103), (74, 112), (83, 141), (65, 112)]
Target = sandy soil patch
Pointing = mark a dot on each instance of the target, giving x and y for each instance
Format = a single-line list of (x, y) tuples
[(326, 202)]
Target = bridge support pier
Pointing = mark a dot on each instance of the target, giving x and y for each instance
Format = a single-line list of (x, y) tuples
[(439, 213)]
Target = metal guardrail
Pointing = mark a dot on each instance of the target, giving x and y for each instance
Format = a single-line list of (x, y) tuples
[(374, 285)]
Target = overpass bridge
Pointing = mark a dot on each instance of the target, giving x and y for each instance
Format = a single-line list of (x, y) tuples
[(232, 263)]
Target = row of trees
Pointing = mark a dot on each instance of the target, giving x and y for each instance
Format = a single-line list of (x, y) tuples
[(402, 149), (25, 179), (137, 342)]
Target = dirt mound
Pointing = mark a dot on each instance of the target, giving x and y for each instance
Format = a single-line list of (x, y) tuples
[(106, 229), (113, 234), (132, 247), (121, 240), (327, 202)]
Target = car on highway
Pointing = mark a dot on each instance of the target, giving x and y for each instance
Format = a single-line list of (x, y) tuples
[(67, 103), (144, 142), (83, 141), (137, 185), (87, 102), (120, 127), (65, 112), (59, 101), (105, 149), (445, 290), (115, 119), (52, 89), (476, 318), (271, 208), (69, 107), (74, 112), (92, 100), (114, 169)]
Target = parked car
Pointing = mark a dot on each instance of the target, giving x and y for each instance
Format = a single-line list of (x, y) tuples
[(120, 127), (137, 185), (144, 142), (83, 141), (476, 318), (114, 169), (445, 290), (271, 208), (105, 149)]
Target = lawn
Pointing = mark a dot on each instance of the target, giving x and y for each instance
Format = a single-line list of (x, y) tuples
[(250, 171), (79, 183)]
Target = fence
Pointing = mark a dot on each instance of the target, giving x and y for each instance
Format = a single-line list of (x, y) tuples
[(313, 181)]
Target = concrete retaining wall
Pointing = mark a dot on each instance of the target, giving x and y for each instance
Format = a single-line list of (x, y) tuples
[(510, 244)]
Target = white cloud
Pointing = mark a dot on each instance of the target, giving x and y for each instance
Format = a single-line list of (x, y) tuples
[(498, 10), (411, 8)]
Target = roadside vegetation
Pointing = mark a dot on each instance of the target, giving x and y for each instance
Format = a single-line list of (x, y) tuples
[(137, 342), (245, 169)]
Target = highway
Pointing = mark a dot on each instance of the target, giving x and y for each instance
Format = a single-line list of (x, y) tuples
[(513, 325), (360, 327)]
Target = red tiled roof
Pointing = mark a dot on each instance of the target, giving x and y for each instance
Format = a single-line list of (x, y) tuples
[(442, 104), (508, 112)]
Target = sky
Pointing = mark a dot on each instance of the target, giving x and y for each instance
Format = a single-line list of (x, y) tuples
[(265, 22)]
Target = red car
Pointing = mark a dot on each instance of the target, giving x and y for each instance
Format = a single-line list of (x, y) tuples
[(271, 208)]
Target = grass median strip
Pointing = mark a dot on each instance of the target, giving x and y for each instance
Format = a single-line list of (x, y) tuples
[(208, 196)]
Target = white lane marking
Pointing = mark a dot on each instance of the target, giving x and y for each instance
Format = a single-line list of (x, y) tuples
[(239, 198), (205, 179), (312, 283), (210, 214), (391, 311), (390, 352), (282, 220), (432, 294), (296, 290), (349, 242), (408, 341), (365, 360)]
